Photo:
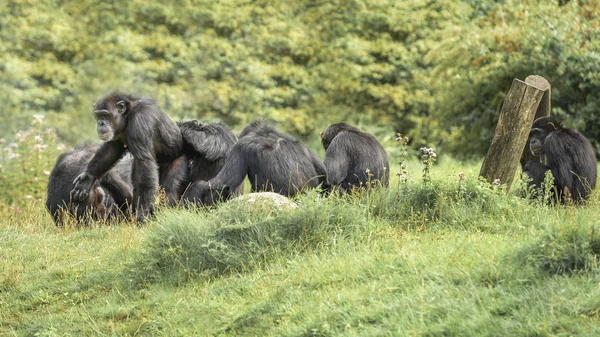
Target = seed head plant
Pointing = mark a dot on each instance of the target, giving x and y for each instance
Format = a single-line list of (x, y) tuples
[(403, 174), (429, 157)]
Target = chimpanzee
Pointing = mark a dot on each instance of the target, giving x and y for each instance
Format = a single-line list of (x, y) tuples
[(206, 146), (570, 157), (353, 158), (273, 161), (109, 196), (138, 125)]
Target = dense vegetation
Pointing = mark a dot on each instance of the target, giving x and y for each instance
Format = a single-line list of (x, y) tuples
[(435, 70)]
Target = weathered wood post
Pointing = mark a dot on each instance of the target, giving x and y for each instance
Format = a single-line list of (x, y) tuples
[(542, 110), (516, 116)]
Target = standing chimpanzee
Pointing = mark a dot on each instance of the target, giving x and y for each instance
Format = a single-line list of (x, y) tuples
[(109, 196), (153, 139), (272, 161), (570, 157), (353, 158)]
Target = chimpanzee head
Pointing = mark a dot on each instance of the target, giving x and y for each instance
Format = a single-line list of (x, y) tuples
[(540, 129), (332, 131), (111, 114)]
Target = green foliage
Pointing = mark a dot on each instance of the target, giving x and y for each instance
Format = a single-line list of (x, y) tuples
[(444, 203), (435, 71), (26, 163), (476, 62)]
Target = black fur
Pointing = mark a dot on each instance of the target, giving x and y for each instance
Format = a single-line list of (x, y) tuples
[(207, 147), (570, 157), (349, 154), (272, 161), (109, 196), (153, 139)]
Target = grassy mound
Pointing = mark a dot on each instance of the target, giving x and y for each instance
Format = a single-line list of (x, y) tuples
[(566, 245), (187, 243)]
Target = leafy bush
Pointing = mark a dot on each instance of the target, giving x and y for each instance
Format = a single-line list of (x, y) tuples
[(436, 71)]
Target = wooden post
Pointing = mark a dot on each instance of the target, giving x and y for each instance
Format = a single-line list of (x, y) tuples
[(518, 110), (542, 111)]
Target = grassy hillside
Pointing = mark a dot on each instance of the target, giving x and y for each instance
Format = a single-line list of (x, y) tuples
[(448, 257)]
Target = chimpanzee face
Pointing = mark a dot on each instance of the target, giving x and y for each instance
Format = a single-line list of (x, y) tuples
[(536, 141), (110, 117), (541, 128)]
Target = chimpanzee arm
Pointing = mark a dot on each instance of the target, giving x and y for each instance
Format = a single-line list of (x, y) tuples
[(536, 171), (141, 135), (232, 174), (145, 182), (106, 156), (336, 163), (222, 186)]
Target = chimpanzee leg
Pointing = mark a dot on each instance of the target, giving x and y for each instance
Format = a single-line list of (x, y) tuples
[(145, 183), (536, 171), (174, 178)]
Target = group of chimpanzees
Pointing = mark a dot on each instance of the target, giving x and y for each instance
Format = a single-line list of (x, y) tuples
[(201, 164), (198, 164)]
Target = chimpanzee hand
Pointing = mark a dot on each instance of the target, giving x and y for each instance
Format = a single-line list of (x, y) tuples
[(83, 184)]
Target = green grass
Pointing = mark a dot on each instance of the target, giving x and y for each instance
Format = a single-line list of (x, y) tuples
[(440, 259)]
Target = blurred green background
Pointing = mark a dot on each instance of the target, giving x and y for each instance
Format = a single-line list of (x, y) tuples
[(435, 70)]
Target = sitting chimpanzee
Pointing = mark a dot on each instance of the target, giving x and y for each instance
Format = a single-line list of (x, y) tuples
[(570, 157), (353, 158), (153, 139), (272, 161), (111, 195)]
